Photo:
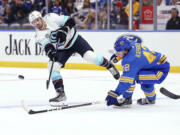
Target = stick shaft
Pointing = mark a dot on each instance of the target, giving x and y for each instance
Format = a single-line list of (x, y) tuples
[(30, 111), (48, 81)]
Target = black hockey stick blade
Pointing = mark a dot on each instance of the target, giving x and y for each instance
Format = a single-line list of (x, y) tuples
[(169, 94), (30, 111)]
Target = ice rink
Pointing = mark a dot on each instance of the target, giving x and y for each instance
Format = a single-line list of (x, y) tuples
[(81, 86)]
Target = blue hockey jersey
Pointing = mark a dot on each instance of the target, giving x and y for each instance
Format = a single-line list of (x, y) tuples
[(141, 65)]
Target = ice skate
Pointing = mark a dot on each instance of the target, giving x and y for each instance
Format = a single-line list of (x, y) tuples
[(145, 101), (113, 71), (59, 100), (124, 103)]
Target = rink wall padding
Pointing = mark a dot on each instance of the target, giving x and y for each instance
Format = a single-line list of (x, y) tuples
[(76, 66), (18, 48)]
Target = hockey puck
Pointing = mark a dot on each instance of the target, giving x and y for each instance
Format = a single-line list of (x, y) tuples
[(21, 77)]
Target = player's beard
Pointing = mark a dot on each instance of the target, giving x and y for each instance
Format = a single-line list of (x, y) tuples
[(43, 26)]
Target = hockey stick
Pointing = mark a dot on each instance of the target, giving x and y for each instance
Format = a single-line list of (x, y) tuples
[(169, 94), (8, 74), (47, 81), (30, 111)]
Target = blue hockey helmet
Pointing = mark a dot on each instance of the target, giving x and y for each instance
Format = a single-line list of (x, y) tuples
[(122, 44), (133, 38)]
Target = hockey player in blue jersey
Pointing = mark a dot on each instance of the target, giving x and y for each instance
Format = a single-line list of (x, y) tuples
[(114, 58), (140, 65)]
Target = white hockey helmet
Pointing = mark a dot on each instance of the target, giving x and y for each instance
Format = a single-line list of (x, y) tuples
[(34, 15)]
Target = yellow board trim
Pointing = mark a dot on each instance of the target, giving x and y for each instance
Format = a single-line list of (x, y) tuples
[(173, 69)]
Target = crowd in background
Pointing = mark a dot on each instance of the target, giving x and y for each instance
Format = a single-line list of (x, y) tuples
[(16, 11)]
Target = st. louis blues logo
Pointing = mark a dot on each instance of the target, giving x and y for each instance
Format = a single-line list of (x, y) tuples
[(121, 43)]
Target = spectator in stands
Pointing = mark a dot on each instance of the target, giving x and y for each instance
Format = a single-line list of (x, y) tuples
[(173, 2), (161, 2), (174, 22), (89, 21), (63, 4), (8, 16), (124, 2), (20, 17), (135, 8), (58, 8), (147, 2), (19, 5), (119, 19), (70, 8), (38, 4), (87, 4), (3, 5), (84, 12), (102, 17), (28, 4), (44, 9), (100, 3), (78, 4), (168, 2)]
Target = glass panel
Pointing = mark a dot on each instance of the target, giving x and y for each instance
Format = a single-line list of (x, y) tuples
[(95, 14)]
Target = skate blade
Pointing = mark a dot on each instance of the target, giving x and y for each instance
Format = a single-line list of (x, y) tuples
[(59, 104), (122, 107)]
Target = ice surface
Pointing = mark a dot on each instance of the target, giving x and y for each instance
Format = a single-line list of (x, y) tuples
[(82, 86)]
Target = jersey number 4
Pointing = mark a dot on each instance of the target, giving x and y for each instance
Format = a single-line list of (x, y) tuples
[(150, 57)]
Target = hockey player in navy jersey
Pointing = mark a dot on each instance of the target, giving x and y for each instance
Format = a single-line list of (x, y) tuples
[(140, 65), (59, 39)]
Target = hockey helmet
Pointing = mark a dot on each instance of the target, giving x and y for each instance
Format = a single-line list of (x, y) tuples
[(34, 15), (133, 38), (122, 44)]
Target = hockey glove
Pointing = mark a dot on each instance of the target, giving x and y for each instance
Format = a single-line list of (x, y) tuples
[(53, 56), (114, 58), (61, 35), (51, 52), (111, 98)]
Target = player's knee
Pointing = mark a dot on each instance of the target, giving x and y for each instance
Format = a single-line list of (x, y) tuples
[(147, 87), (55, 71), (56, 66), (93, 58)]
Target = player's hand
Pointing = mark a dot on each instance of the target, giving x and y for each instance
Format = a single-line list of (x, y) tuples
[(53, 55), (61, 36), (111, 98), (114, 58)]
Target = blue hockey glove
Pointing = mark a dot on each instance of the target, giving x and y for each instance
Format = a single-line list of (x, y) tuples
[(111, 98), (114, 58)]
